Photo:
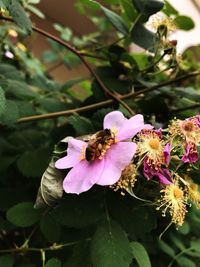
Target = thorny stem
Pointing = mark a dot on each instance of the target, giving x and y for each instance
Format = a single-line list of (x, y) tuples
[(107, 102), (81, 57), (50, 248)]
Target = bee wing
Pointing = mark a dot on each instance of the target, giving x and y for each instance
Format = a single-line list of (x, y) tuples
[(85, 137)]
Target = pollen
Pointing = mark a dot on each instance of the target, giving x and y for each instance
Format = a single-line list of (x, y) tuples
[(154, 143), (178, 193), (82, 154)]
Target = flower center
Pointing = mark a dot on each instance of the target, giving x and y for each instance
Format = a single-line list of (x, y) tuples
[(178, 193), (188, 126), (154, 143)]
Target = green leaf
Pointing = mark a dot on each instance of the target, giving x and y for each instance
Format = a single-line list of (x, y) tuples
[(71, 83), (166, 248), (140, 254), (10, 196), (50, 229), (2, 102), (187, 92), (19, 16), (143, 37), (50, 104), (129, 9), (11, 114), (10, 72), (81, 253), (169, 9), (185, 262), (140, 220), (35, 11), (148, 7), (79, 211), (184, 229), (115, 19), (20, 90), (81, 124), (4, 3), (34, 2), (33, 163), (51, 189), (110, 246), (23, 214), (26, 108), (7, 260), (53, 263), (184, 23), (195, 244), (49, 56)]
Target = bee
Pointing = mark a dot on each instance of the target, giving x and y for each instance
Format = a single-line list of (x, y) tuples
[(98, 144)]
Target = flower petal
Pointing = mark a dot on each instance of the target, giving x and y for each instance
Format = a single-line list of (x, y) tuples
[(166, 153), (83, 176), (114, 119), (131, 127), (191, 153), (75, 147), (116, 159), (164, 176)]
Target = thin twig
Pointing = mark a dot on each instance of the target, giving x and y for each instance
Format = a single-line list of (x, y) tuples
[(186, 108), (65, 112), (54, 67), (106, 102), (81, 57)]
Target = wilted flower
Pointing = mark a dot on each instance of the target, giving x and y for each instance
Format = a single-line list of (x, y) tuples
[(174, 200), (101, 160), (191, 154), (186, 135), (156, 155), (127, 179)]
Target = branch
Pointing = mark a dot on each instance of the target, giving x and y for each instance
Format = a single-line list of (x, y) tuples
[(80, 55), (50, 248), (107, 102), (194, 106)]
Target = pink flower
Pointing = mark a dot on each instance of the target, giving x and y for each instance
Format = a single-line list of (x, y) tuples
[(157, 155), (109, 158)]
